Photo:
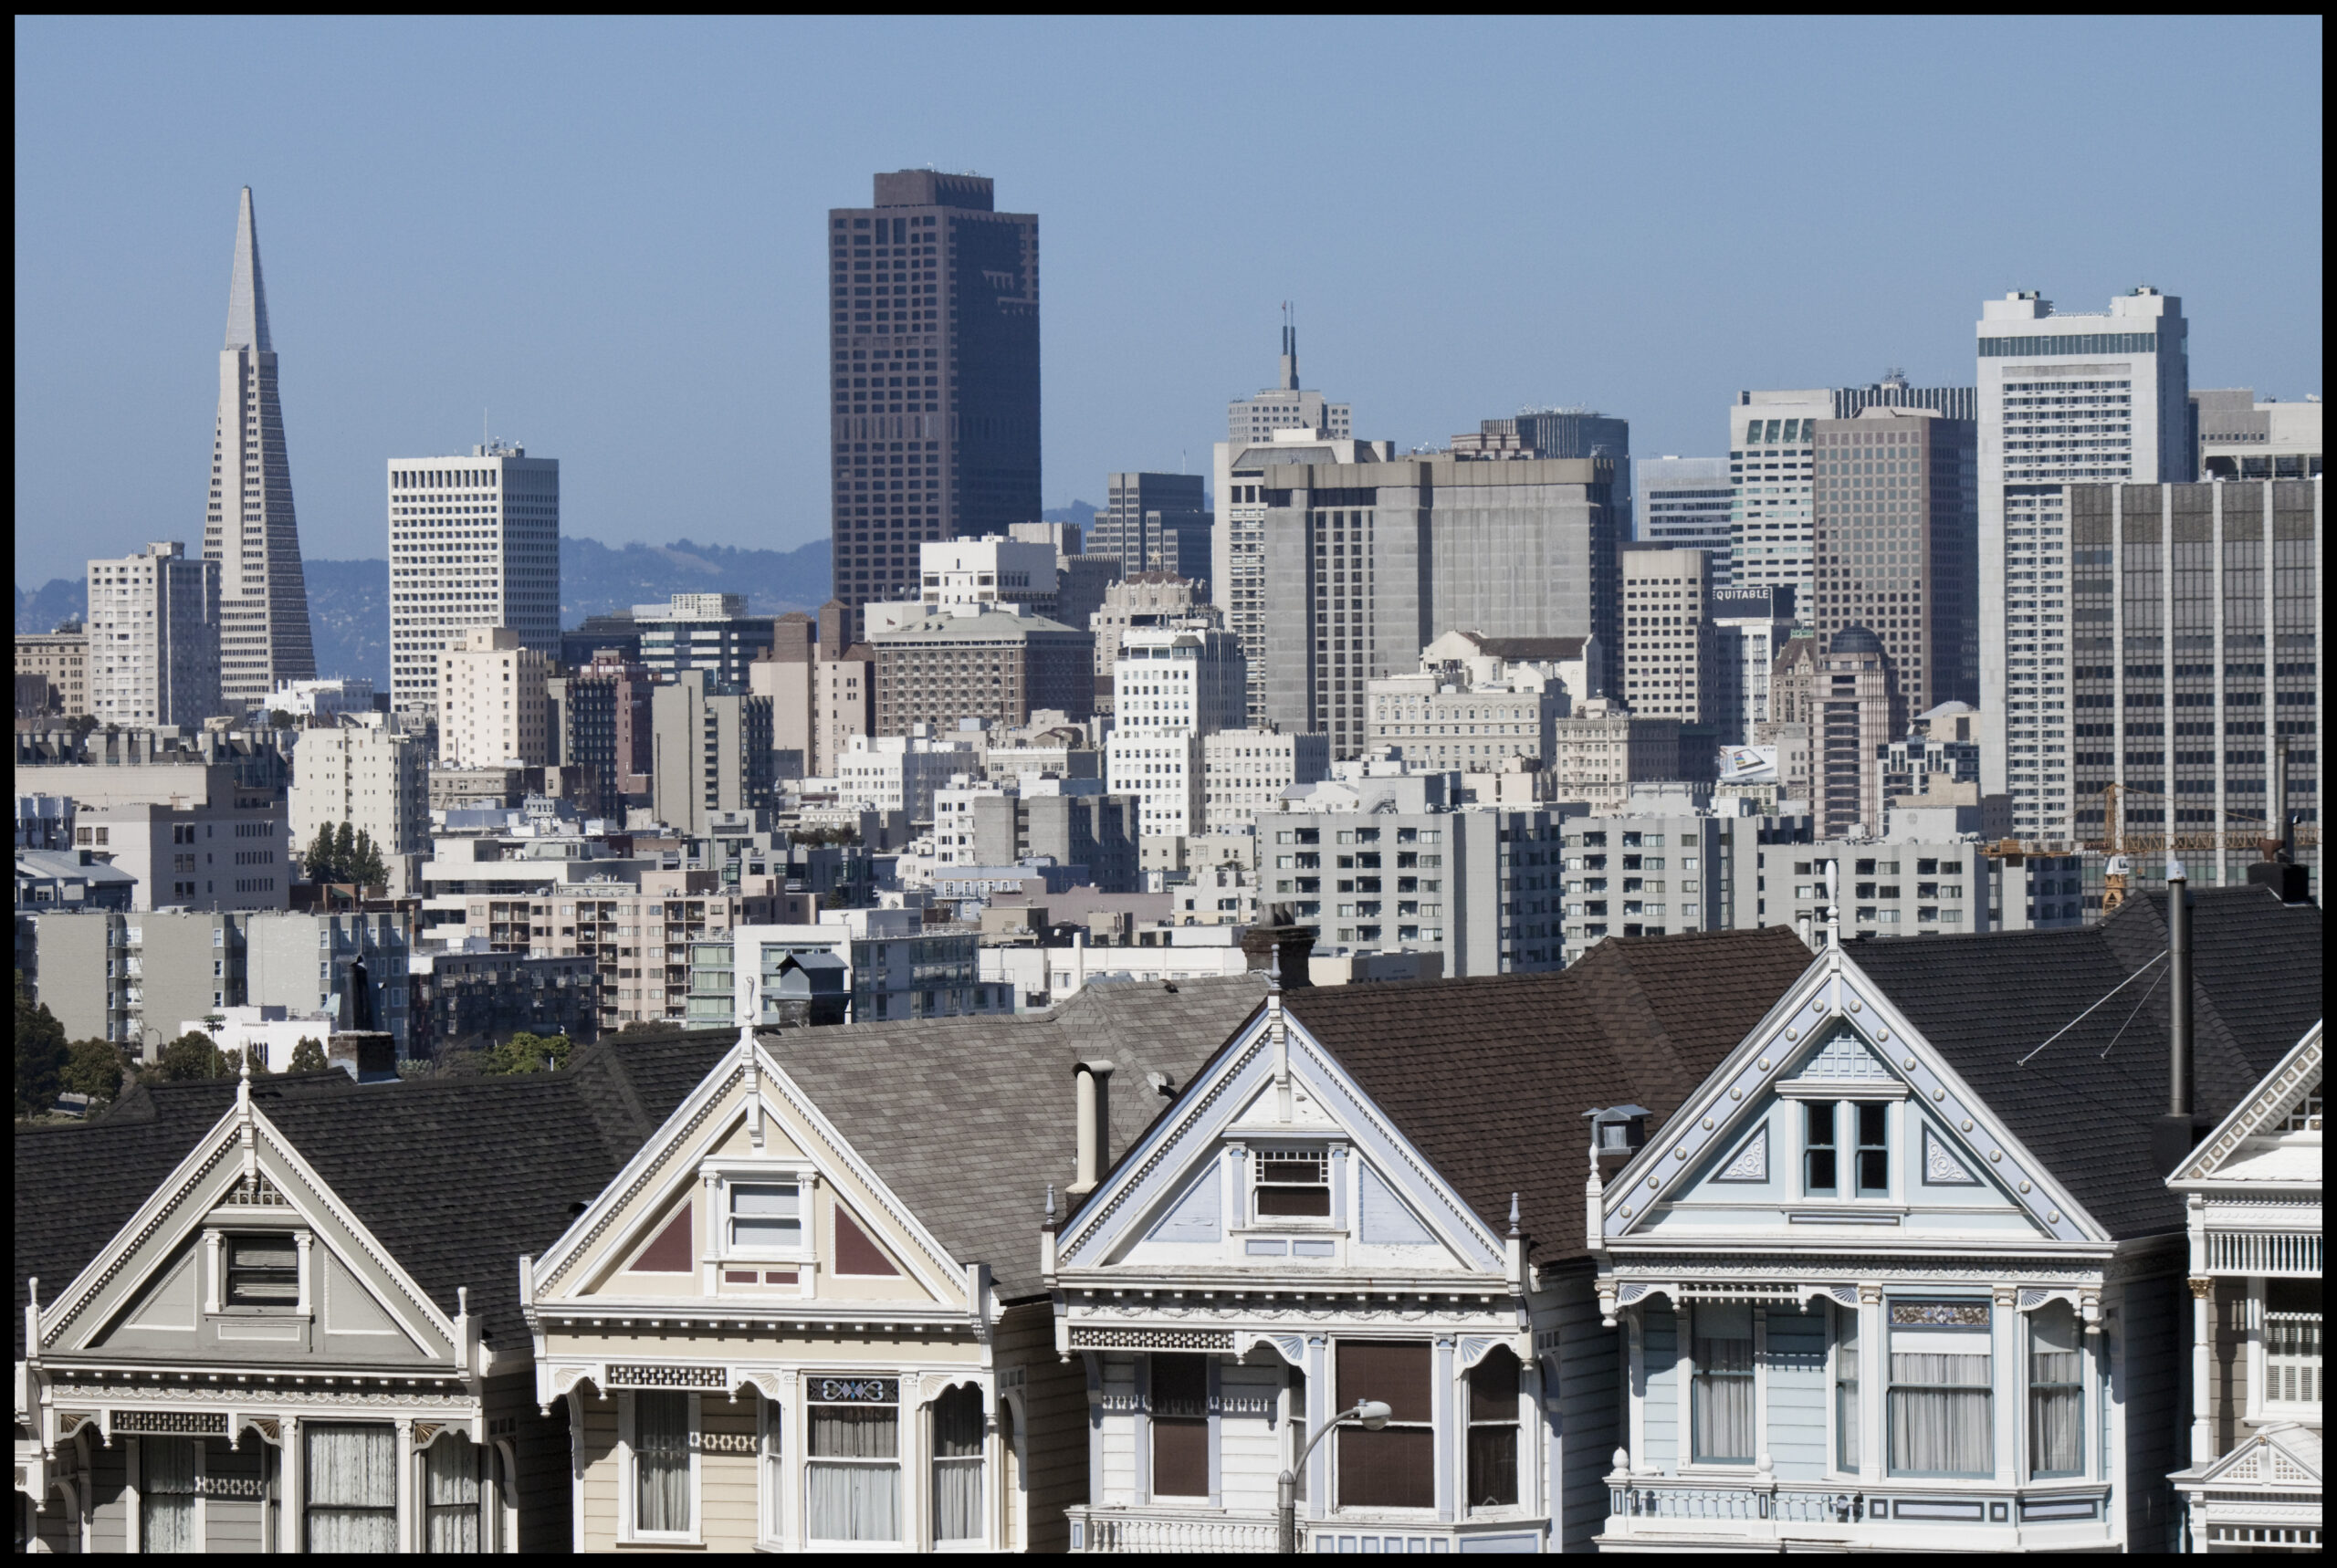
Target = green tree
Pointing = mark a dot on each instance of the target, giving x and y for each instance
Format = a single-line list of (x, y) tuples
[(308, 1056), (525, 1053), (94, 1068), (344, 851), (40, 1053), (194, 1056), (322, 866), (366, 867), (280, 719)]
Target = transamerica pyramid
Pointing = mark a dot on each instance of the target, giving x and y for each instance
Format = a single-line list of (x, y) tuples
[(250, 530)]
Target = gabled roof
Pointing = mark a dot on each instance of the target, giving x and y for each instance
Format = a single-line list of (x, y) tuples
[(1489, 1078), (2225, 1155), (456, 1176), (2084, 1105), (2284, 1458)]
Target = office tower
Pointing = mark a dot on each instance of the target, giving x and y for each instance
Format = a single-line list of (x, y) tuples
[(1156, 522), (1367, 563), (1668, 648), (934, 404), (59, 660), (1896, 543), (988, 571), (249, 527), (710, 632), (153, 631), (1749, 630), (1284, 406), (1770, 437), (1141, 599), (491, 701), (711, 752), (1684, 504), (2238, 438), (1172, 686), (2064, 400), (599, 718), (1601, 749), (1560, 432), (992, 664), (1849, 723), (473, 541), (2195, 616), (844, 690)]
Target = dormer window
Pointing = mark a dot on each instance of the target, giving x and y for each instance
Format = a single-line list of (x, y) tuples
[(263, 1271), (1293, 1184)]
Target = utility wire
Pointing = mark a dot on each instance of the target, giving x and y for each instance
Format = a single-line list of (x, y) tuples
[(2089, 1012), (2130, 1019)]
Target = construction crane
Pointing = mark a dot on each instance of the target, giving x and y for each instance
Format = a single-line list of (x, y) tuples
[(2277, 835)]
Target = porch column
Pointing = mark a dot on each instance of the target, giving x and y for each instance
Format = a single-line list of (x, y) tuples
[(1445, 1412), (2004, 1333), (2202, 1328), (407, 1459), (1318, 1410), (291, 1513), (1874, 1393)]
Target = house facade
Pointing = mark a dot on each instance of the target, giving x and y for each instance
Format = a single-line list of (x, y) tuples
[(2252, 1197)]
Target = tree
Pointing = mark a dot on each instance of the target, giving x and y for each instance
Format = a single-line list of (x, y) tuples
[(308, 1056), (365, 866), (40, 1053), (191, 1058), (344, 851), (525, 1053), (318, 858), (280, 719), (94, 1068)]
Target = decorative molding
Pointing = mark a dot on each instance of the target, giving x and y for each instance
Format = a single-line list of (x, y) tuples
[(651, 1375), (1844, 1059), (1751, 1161), (1941, 1168), (662, 1151), (1086, 1337), (2269, 1103), (1291, 1347), (170, 1422), (220, 1402), (1169, 1143), (54, 1327), (270, 1428)]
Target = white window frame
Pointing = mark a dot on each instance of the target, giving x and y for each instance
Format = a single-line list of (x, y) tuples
[(2087, 1415), (2262, 1406), (135, 1476), (1334, 1171), (770, 1473), (907, 1425), (721, 1177), (1837, 1315), (628, 1477)]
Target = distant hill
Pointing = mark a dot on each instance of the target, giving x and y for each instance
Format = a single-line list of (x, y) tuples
[(59, 600), (1078, 512)]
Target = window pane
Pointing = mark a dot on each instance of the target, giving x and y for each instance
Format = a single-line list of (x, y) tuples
[(852, 1503), (958, 1465), (854, 1432), (2056, 1392), (1492, 1465), (1723, 1398), (1180, 1457), (263, 1271), (1395, 1467), (453, 1494), (2292, 1350), (1308, 1202), (166, 1494), (353, 1488), (783, 1234), (1846, 1389), (661, 1422), (1940, 1406), (1394, 1373), (759, 1200)]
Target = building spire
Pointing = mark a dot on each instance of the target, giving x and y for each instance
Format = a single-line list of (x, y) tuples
[(247, 295), (1289, 349)]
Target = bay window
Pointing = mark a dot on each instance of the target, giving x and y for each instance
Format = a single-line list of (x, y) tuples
[(1940, 1403), (1846, 1389), (2293, 1351), (452, 1493), (958, 1465), (166, 1495), (661, 1462), (350, 1498), (1721, 1394), (852, 1472), (1396, 1465), (1493, 1430), (1179, 1425), (2056, 1392)]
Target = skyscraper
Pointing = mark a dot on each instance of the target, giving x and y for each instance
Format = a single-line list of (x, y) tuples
[(473, 541), (1155, 522), (1563, 432), (934, 401), (1285, 405), (1668, 639), (2063, 399), (1683, 504), (153, 632), (249, 527)]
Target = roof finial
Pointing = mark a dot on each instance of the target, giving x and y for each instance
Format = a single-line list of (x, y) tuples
[(1051, 1203), (1512, 1214)]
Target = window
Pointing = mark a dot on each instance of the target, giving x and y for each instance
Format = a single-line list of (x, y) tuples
[(1293, 1182), (766, 1217), (1846, 1389), (1493, 1430), (1874, 1150), (1818, 1157), (1940, 1397), (453, 1500), (2292, 1372), (1181, 1426), (1721, 1398), (2056, 1392), (853, 1472), (166, 1495), (958, 1465), (661, 1462), (1396, 1465), (263, 1271), (352, 1495)]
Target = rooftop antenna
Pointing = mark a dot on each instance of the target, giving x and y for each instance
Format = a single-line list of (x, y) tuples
[(1289, 348)]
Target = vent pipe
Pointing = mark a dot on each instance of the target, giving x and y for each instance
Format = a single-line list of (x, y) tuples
[(1095, 1080), (2174, 1136)]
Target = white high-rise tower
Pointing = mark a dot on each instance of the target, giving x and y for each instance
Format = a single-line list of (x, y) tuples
[(474, 542), (2064, 400), (249, 529)]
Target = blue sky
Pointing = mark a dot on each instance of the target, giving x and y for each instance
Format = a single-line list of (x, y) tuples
[(607, 234)]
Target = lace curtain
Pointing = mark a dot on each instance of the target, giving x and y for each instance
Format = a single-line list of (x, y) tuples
[(853, 1502), (353, 1488), (1940, 1413), (661, 1461), (166, 1495), (1846, 1388), (452, 1493), (958, 1465), (2056, 1392), (1722, 1403)]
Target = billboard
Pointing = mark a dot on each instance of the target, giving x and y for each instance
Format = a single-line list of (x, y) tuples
[(1748, 765)]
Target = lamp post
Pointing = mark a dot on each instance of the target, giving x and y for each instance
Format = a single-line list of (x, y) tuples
[(1369, 1414)]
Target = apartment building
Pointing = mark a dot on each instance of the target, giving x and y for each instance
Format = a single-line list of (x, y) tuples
[(491, 701), (1246, 772)]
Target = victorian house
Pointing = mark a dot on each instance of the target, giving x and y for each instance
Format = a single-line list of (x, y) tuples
[(1904, 1272), (806, 1315), (282, 1315), (2251, 1195), (1375, 1193)]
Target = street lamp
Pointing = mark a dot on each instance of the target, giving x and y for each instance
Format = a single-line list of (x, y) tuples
[(1369, 1414)]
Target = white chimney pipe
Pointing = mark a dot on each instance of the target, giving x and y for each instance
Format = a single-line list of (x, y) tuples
[(1094, 1124)]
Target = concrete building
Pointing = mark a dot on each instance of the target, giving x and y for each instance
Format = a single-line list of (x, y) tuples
[(153, 632), (1850, 722), (1934, 873), (708, 632), (1139, 599), (1284, 406), (898, 967), (464, 999), (1566, 433), (989, 571), (1897, 549), (1749, 630), (2240, 438), (599, 718), (933, 344), (2064, 400), (48, 880), (1654, 868), (201, 839), (900, 772), (822, 689), (249, 531), (1171, 686), (1601, 749), (327, 698), (1669, 648), (61, 661), (1071, 822), (1156, 523), (1245, 771), (2198, 621), (1477, 702), (710, 753), (368, 775), (490, 700), (991, 665), (473, 541), (1368, 563), (1687, 503), (1939, 753)]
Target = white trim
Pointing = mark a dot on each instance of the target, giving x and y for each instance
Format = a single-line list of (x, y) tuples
[(628, 1532)]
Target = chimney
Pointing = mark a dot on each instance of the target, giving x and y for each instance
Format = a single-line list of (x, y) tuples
[(2174, 1136), (1095, 1080)]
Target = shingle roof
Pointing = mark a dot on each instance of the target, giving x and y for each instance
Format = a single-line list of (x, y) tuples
[(1489, 1078), (2085, 1104)]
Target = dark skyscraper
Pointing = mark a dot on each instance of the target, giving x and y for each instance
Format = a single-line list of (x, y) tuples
[(934, 321)]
